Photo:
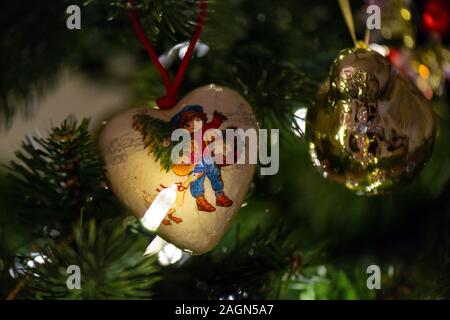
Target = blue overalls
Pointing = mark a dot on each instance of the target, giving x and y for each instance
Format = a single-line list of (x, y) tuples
[(210, 170)]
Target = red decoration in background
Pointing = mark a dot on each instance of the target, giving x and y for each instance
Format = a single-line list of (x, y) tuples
[(394, 57), (436, 16)]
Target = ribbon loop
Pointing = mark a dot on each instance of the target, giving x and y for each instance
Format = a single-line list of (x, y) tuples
[(348, 17), (170, 99), (166, 102)]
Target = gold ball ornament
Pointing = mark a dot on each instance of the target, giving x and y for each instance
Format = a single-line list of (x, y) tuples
[(370, 129), (136, 148)]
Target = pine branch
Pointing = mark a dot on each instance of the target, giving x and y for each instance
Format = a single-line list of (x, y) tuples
[(164, 20), (156, 138), (276, 88), (326, 282), (55, 177), (12, 237), (252, 268), (111, 262), (36, 44)]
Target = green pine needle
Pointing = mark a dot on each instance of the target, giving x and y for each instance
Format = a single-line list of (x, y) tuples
[(156, 137), (164, 19), (57, 176), (111, 262)]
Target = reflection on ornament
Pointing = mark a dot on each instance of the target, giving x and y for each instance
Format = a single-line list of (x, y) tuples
[(370, 129)]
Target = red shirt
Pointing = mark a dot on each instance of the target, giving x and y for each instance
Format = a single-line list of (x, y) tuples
[(215, 123)]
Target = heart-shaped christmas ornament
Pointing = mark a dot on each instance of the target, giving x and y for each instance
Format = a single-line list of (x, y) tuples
[(370, 128), (136, 146)]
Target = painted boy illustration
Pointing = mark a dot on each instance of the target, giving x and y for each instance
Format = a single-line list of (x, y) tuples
[(189, 118)]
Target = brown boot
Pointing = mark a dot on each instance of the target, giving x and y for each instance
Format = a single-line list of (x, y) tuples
[(223, 201), (204, 205), (174, 218)]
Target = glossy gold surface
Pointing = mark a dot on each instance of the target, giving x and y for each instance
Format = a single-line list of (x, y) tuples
[(370, 129)]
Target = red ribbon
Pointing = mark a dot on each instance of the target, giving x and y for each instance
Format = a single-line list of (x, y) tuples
[(172, 88)]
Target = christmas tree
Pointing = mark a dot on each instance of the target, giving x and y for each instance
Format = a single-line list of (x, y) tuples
[(296, 235)]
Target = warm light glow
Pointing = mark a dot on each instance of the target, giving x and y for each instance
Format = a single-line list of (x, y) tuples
[(408, 40), (405, 14), (159, 208), (386, 33), (424, 71), (167, 252), (169, 255), (155, 246), (373, 186)]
